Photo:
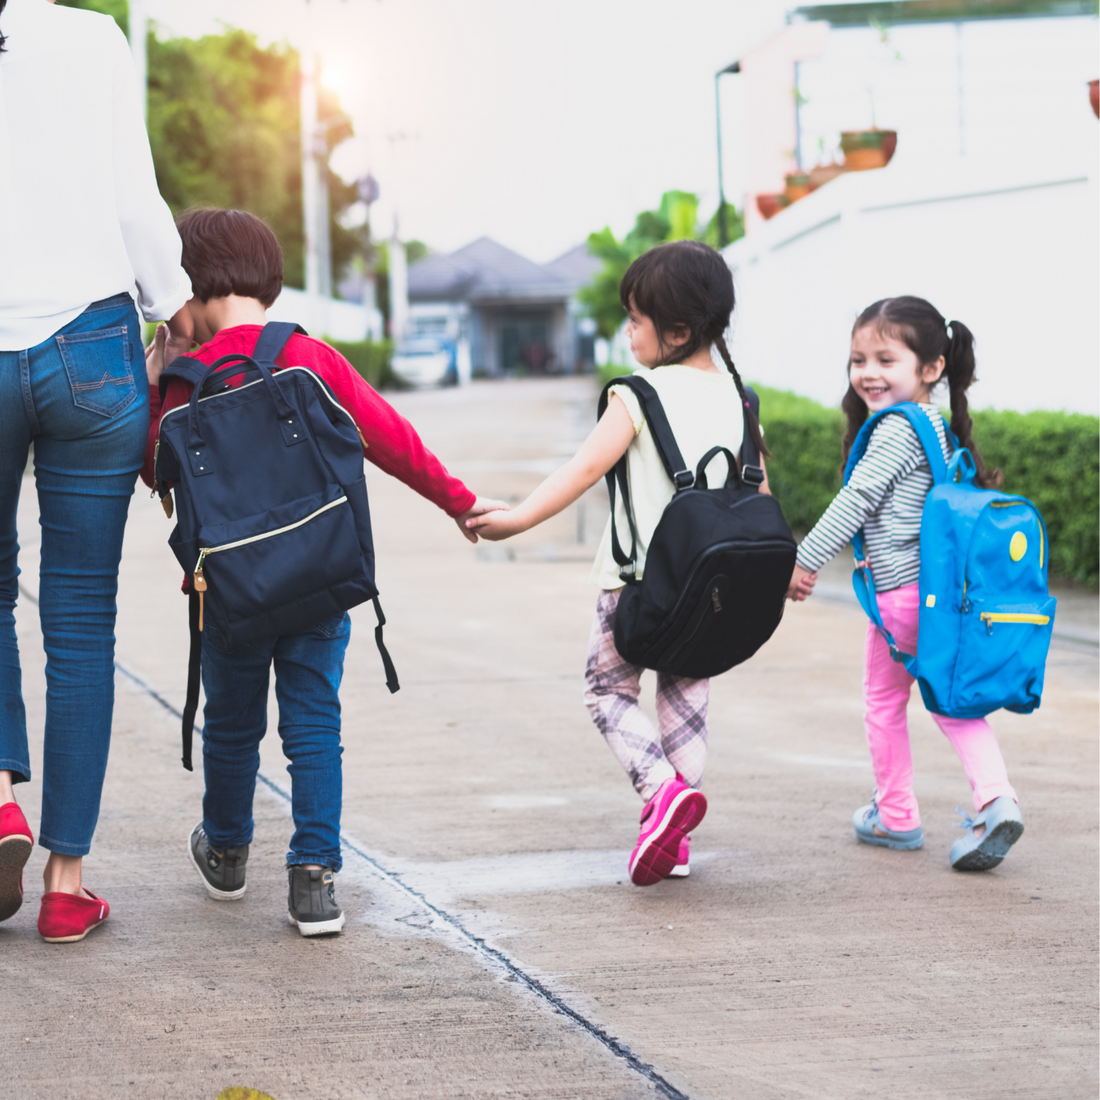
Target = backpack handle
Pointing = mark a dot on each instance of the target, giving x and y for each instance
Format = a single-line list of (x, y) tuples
[(285, 412), (733, 475), (962, 467)]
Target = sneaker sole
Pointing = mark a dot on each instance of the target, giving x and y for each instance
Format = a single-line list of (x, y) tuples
[(317, 927), (992, 848), (14, 853), (657, 855), (213, 891), (681, 870), (886, 842)]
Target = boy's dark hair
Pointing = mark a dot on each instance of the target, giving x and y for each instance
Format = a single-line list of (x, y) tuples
[(922, 329), (687, 285), (230, 252)]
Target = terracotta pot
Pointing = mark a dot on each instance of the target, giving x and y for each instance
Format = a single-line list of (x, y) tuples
[(770, 205), (1094, 96), (798, 186), (865, 149), (822, 173)]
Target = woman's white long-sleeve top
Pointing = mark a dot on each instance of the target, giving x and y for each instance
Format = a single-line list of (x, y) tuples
[(81, 217)]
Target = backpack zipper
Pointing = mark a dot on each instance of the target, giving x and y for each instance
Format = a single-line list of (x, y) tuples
[(991, 617), (199, 577)]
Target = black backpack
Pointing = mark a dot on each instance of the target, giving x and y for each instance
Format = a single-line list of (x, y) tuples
[(718, 565), (273, 526)]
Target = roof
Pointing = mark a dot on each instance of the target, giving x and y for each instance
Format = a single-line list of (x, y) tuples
[(484, 271), (862, 12), (578, 265)]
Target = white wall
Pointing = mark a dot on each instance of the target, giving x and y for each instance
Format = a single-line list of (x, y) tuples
[(329, 317), (1012, 255)]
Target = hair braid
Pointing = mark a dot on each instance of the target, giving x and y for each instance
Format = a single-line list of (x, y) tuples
[(750, 416)]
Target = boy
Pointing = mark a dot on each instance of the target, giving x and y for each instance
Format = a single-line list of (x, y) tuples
[(236, 268)]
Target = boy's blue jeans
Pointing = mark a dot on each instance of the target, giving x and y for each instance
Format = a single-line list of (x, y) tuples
[(308, 670), (81, 398)]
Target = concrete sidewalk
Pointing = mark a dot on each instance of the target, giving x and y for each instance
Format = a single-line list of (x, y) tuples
[(494, 945)]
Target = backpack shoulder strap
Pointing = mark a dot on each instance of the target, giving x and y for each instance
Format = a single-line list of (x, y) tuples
[(926, 434), (671, 458), (183, 366), (752, 473), (654, 411), (273, 339)]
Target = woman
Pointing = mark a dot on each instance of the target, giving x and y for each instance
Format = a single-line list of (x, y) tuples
[(84, 226)]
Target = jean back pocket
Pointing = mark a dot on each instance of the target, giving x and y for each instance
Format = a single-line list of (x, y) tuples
[(98, 365)]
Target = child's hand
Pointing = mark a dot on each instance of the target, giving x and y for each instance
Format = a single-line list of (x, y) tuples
[(802, 584), (481, 506), (154, 355), (494, 526)]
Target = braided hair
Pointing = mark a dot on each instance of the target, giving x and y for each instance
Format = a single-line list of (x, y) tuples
[(686, 285), (3, 5), (921, 327)]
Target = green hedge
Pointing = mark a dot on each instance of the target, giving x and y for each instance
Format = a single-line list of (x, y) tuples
[(370, 359), (1049, 457)]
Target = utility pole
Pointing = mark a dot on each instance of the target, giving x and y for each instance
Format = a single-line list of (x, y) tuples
[(723, 228), (139, 28), (310, 175)]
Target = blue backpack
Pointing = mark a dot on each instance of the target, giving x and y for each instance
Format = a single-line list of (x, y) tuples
[(985, 613), (273, 526)]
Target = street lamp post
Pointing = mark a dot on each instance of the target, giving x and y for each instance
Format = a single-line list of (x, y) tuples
[(723, 228)]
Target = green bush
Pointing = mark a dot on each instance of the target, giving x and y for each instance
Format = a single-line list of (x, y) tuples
[(1052, 458), (370, 359)]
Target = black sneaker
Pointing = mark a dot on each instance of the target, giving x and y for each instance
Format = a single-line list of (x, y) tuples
[(312, 902), (222, 872)]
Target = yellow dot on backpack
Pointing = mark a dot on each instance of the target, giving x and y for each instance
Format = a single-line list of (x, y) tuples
[(1017, 548)]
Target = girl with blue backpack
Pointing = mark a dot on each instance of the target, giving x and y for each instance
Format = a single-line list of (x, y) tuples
[(901, 349)]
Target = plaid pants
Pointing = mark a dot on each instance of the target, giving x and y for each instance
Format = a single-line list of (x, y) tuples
[(611, 689)]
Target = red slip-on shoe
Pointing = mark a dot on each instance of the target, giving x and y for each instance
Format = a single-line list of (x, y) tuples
[(668, 817), (16, 844), (65, 918)]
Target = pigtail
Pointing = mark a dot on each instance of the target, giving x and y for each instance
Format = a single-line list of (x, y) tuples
[(3, 4), (959, 373), (750, 416), (855, 409)]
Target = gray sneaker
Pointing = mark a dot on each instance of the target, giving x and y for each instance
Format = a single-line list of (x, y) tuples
[(222, 873), (312, 901)]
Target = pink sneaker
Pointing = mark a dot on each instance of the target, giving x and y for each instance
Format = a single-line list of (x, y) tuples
[(16, 844), (683, 860), (668, 817)]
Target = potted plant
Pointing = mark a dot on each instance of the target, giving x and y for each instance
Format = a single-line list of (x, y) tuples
[(770, 205), (1094, 96), (822, 173), (797, 186), (865, 149)]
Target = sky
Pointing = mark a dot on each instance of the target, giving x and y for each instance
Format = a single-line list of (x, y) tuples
[(534, 123)]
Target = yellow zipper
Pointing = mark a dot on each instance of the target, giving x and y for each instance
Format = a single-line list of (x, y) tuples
[(991, 617)]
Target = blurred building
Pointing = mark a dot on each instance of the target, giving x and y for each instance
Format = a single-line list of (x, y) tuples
[(518, 316), (989, 208)]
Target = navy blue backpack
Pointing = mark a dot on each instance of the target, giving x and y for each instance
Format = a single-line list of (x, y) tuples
[(273, 527), (986, 616)]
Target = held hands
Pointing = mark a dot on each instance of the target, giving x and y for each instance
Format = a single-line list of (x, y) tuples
[(802, 584), (170, 341), (494, 525), (154, 355), (467, 523)]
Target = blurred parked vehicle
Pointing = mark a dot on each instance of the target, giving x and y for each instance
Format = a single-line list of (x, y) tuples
[(426, 361)]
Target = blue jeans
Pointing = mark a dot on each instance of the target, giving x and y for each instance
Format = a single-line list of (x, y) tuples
[(308, 671), (81, 399)]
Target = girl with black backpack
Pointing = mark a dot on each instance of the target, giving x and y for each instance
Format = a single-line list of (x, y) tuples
[(678, 298)]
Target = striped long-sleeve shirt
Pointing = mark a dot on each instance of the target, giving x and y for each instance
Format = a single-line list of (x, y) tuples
[(885, 496)]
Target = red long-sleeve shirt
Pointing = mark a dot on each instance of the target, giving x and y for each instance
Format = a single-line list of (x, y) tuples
[(391, 441)]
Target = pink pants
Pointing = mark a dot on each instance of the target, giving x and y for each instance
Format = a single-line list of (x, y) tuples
[(886, 688), (611, 689)]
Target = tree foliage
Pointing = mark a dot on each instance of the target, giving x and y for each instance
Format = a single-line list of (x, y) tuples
[(224, 128), (675, 219)]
